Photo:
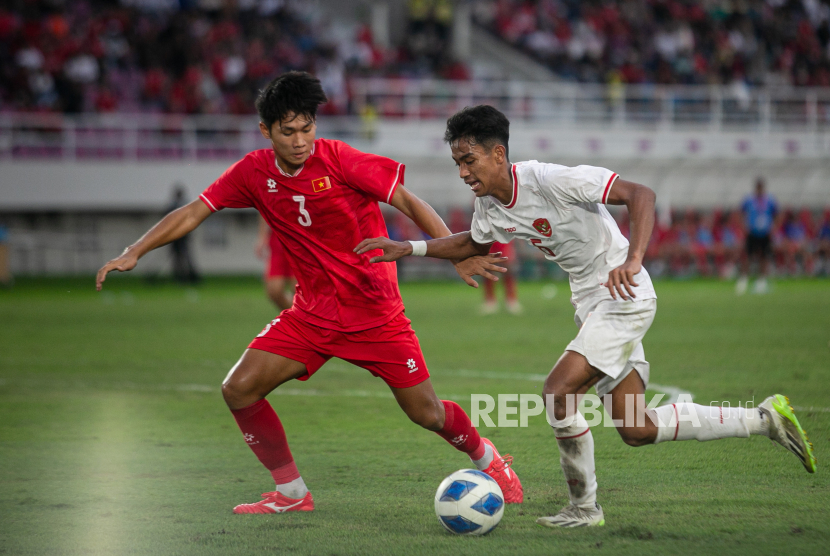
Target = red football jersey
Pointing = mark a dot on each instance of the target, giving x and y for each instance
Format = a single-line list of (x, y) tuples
[(320, 214)]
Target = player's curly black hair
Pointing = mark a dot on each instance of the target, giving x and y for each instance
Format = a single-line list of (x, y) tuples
[(294, 92), (482, 124)]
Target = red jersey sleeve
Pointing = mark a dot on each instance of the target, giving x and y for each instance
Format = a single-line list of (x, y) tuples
[(230, 190), (372, 174)]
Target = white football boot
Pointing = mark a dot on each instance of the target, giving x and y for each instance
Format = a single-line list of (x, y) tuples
[(574, 516)]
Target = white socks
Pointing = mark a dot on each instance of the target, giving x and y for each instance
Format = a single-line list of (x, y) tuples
[(576, 455), (687, 421), (295, 489), (486, 460)]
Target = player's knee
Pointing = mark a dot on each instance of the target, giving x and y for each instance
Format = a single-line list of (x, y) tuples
[(636, 436), (430, 418), (558, 409), (237, 395)]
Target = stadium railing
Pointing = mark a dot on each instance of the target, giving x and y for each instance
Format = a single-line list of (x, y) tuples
[(169, 136)]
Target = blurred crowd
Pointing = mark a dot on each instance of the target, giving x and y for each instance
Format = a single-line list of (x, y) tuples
[(196, 56), (728, 42), (210, 56), (712, 243), (691, 243)]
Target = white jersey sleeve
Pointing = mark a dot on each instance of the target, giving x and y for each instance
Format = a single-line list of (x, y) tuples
[(580, 184), (481, 229)]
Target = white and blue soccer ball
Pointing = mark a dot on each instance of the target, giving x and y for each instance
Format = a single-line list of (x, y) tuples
[(469, 502)]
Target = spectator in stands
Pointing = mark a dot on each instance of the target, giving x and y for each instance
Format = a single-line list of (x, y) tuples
[(760, 210), (729, 242), (194, 57), (756, 42), (795, 245), (704, 244), (5, 271)]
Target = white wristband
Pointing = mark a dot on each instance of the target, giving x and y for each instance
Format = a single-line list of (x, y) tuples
[(419, 248)]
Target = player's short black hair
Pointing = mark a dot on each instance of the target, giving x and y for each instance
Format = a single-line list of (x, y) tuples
[(295, 92), (482, 124)]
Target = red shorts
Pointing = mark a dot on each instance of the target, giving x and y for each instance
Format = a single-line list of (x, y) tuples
[(390, 351), (277, 266)]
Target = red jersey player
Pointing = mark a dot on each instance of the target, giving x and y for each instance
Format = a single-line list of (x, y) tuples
[(321, 198), (279, 278)]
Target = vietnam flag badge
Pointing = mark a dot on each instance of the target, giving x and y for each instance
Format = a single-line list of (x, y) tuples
[(321, 184)]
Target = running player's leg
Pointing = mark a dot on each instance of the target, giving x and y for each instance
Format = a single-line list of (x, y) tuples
[(451, 422), (256, 374), (392, 352), (773, 418), (284, 350), (569, 379)]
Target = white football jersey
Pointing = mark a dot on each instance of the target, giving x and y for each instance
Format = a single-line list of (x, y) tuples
[(561, 211)]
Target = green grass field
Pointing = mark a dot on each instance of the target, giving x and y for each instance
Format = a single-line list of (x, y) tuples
[(114, 438)]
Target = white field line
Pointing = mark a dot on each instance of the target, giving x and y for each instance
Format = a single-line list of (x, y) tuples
[(672, 392), (811, 408)]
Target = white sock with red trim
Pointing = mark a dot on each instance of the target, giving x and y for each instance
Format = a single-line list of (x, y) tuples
[(485, 461), (576, 455), (690, 421)]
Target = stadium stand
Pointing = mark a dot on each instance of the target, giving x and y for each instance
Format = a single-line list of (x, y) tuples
[(694, 99), (754, 42)]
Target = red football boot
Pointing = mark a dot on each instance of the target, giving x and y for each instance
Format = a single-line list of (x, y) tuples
[(507, 479), (276, 503)]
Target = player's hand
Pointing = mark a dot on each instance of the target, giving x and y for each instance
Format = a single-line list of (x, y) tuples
[(621, 279), (482, 266), (122, 264), (392, 250)]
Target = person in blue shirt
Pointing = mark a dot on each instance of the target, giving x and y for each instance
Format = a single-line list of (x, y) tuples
[(759, 211), (823, 238)]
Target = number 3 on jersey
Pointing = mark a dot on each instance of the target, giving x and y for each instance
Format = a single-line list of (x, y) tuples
[(305, 218)]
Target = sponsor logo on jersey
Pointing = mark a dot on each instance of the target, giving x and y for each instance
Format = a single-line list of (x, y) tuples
[(542, 226), (510, 230), (321, 184), (272, 185)]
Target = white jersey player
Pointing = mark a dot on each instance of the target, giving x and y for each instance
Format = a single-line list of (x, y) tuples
[(561, 211)]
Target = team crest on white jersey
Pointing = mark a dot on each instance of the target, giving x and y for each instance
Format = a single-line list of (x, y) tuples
[(542, 226), (272, 185)]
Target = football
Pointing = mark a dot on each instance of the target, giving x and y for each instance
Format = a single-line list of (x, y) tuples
[(469, 502)]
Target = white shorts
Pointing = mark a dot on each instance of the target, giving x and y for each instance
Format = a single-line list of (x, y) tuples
[(611, 337)]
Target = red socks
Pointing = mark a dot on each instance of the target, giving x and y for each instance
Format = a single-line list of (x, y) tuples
[(264, 434), (459, 431)]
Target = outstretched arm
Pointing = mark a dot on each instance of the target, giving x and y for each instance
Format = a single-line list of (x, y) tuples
[(457, 247), (177, 224), (640, 202), (467, 264)]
